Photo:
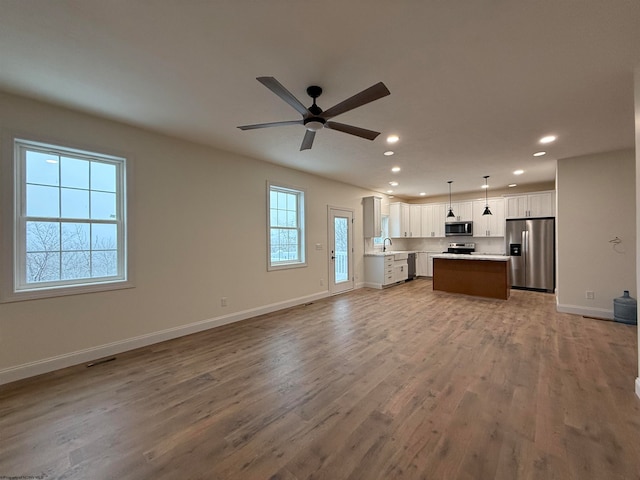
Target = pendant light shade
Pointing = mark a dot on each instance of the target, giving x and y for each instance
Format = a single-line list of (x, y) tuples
[(486, 197), (450, 214)]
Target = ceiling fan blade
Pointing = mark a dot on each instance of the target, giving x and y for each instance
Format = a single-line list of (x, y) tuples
[(307, 141), (375, 92), (350, 129), (276, 87), (271, 124)]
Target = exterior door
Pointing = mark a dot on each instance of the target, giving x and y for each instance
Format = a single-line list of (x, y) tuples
[(340, 250)]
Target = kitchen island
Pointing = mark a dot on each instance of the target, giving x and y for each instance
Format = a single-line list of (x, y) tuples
[(479, 275)]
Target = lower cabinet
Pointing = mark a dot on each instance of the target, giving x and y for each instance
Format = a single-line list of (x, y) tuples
[(381, 271), (424, 264)]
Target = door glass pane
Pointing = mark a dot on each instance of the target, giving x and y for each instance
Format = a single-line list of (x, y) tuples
[(341, 241)]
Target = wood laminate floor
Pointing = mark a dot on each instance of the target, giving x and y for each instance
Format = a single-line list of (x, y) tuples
[(403, 383)]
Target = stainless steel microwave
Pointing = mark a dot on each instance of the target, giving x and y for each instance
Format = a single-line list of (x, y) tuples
[(455, 229)]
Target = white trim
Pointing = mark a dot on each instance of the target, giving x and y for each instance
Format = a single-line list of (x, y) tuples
[(372, 285), (301, 211), (50, 364), (350, 284), (12, 289), (638, 386), (586, 312)]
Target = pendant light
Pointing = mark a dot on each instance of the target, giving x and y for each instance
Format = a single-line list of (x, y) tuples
[(450, 214), (486, 199)]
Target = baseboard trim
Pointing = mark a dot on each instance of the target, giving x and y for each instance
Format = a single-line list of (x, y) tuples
[(585, 312), (638, 386), (50, 364)]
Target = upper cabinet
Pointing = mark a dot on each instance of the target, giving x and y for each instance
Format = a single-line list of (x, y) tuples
[(432, 219), (398, 220), (488, 225), (538, 204), (405, 220), (463, 212), (372, 219)]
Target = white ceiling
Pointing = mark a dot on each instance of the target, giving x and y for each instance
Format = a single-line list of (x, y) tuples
[(474, 83)]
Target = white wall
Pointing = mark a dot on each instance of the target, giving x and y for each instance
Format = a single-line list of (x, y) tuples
[(200, 234), (637, 178), (595, 204)]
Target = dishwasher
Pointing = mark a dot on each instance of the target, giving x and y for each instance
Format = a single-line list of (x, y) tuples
[(411, 266)]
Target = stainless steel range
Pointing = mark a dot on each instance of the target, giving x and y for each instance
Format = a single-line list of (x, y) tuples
[(461, 248)]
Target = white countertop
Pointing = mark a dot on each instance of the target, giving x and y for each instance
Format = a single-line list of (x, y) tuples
[(454, 256), (388, 252)]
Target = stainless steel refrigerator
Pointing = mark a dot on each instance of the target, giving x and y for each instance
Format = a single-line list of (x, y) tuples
[(531, 245)]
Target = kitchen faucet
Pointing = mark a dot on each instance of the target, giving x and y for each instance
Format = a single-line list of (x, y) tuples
[(384, 244)]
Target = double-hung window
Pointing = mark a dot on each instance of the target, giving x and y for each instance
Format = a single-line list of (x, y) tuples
[(286, 227), (69, 221)]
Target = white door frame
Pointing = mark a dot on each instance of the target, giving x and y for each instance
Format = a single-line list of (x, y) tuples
[(349, 282)]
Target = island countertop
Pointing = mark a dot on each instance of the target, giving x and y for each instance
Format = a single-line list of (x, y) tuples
[(457, 256)]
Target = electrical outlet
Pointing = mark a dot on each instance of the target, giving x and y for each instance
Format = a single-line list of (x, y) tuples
[(322, 282), (223, 302), (589, 295)]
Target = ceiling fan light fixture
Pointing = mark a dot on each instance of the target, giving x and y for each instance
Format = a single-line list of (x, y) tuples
[(314, 124)]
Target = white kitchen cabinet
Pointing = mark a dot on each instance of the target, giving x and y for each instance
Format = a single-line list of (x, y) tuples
[(430, 263), (385, 270), (463, 212), (537, 204), (415, 221), (489, 225), (422, 264), (400, 271), (433, 217), (372, 218), (400, 216)]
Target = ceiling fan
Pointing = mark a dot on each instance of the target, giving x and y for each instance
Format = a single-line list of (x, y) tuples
[(314, 118)]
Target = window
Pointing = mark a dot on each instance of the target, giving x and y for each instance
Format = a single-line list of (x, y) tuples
[(384, 223), (69, 223), (286, 227)]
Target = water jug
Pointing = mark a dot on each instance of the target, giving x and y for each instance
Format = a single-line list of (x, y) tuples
[(625, 309)]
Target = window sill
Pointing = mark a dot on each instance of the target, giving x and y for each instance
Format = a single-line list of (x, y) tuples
[(52, 292)]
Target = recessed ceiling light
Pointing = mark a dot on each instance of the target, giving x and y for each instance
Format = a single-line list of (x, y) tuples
[(393, 184), (422, 194), (392, 138), (548, 139), (388, 153), (389, 191), (395, 169), (539, 154), (484, 186), (511, 185), (518, 172)]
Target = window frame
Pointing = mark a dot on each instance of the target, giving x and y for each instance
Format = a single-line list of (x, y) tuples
[(14, 286), (301, 226)]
